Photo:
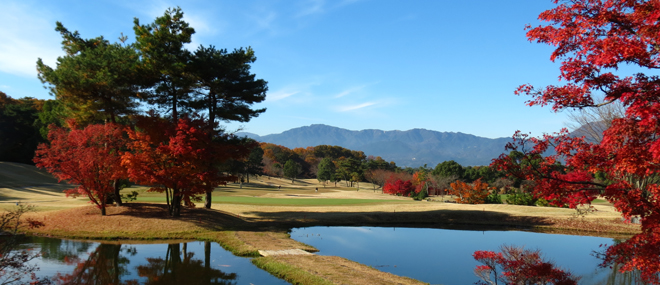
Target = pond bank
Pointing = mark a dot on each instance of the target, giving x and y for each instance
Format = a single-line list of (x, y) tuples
[(246, 230)]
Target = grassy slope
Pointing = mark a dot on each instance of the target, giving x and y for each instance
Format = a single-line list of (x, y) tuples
[(22, 175), (28, 184)]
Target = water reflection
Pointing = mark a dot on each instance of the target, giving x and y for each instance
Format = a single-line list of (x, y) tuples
[(440, 256), (105, 265), (179, 267), (77, 262)]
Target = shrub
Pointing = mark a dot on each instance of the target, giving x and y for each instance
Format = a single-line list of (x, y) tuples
[(420, 195), (521, 198), (494, 198)]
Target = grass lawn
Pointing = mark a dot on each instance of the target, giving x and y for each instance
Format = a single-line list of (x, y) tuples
[(281, 201)]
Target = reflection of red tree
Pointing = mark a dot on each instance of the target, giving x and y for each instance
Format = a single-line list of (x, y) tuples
[(103, 266), (517, 265), (593, 39), (177, 270), (641, 252)]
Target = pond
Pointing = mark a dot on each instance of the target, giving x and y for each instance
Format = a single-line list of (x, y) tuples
[(83, 262), (440, 256)]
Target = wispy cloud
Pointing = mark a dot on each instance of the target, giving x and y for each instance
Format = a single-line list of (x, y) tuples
[(356, 107), (349, 91), (27, 34), (311, 7), (263, 20), (281, 94)]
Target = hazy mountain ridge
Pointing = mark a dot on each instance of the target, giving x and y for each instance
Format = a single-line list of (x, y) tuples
[(414, 147)]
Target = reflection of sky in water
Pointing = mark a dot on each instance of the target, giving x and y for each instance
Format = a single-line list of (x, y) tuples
[(220, 259), (445, 256)]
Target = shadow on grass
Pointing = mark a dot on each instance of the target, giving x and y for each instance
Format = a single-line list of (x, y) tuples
[(210, 219), (429, 219), (213, 219), (52, 189)]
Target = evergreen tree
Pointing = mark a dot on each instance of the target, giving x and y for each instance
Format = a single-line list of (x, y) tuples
[(326, 170)]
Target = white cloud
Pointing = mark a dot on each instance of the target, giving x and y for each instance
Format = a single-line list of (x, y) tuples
[(279, 95), (356, 107), (349, 91), (27, 34), (312, 7)]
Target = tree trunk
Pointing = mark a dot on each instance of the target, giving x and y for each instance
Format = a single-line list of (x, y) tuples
[(102, 210), (207, 200), (176, 203), (207, 255), (116, 185)]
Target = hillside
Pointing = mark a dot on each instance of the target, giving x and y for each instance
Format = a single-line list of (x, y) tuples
[(413, 148), (22, 175)]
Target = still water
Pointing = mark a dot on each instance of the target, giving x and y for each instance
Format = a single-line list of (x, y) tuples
[(82, 262), (441, 256)]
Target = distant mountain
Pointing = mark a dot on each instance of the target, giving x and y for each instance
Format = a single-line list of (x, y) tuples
[(413, 148)]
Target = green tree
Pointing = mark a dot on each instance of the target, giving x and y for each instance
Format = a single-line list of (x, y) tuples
[(350, 169), (18, 135), (448, 168), (254, 164), (226, 87), (160, 45), (291, 170), (326, 170), (53, 112), (96, 78)]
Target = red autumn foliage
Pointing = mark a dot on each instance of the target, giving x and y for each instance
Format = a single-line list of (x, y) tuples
[(178, 160), (89, 158), (398, 187), (593, 39), (516, 265), (474, 193), (422, 181), (398, 183)]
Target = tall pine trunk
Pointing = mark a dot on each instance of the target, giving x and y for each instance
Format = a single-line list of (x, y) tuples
[(212, 102)]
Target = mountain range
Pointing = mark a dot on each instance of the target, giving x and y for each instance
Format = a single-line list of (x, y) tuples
[(413, 148)]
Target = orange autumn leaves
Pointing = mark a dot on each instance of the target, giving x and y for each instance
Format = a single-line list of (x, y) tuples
[(474, 193)]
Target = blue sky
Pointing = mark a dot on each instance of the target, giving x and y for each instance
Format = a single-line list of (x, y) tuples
[(355, 64)]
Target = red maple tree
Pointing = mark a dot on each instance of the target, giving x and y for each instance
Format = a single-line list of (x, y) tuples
[(177, 159), (89, 157), (593, 39)]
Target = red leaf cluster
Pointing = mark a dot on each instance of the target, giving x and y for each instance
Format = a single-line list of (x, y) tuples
[(178, 159), (88, 157), (398, 187), (593, 39), (519, 266)]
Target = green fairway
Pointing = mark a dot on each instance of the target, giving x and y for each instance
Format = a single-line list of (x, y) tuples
[(283, 201)]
